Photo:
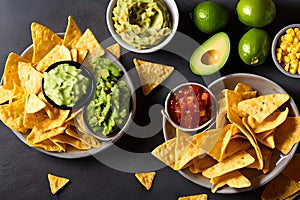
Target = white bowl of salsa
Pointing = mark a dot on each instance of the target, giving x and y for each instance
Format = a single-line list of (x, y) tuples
[(191, 107)]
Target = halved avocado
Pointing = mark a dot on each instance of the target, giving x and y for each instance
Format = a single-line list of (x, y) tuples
[(211, 55)]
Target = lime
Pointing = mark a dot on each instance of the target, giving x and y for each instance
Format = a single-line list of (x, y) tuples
[(254, 46), (210, 16), (256, 13)]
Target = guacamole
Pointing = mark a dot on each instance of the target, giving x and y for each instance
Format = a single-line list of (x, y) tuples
[(142, 23), (107, 111), (65, 84)]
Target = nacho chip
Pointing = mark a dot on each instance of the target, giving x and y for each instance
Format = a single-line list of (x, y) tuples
[(234, 118), (271, 122), (287, 134), (233, 179), (201, 163), (72, 34), (115, 49), (46, 145), (245, 91), (37, 135), (235, 145), (6, 94), (166, 152), (89, 42), (56, 182), (292, 169), (74, 54), (232, 100), (58, 53), (31, 80), (58, 120), (32, 119), (194, 197), (12, 115), (236, 161), (66, 139), (151, 74), (34, 104), (44, 40), (267, 155), (280, 187), (82, 53), (261, 107), (146, 178), (10, 74)]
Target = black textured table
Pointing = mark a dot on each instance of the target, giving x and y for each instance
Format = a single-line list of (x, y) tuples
[(23, 170)]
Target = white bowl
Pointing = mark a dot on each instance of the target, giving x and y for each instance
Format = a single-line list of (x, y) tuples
[(174, 14), (275, 46)]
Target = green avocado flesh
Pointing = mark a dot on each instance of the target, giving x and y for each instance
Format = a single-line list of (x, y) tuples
[(211, 56)]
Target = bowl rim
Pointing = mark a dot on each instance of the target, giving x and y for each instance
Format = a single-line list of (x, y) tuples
[(274, 46), (204, 126), (174, 14), (84, 99)]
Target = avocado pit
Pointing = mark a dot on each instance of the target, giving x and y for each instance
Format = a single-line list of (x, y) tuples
[(211, 57)]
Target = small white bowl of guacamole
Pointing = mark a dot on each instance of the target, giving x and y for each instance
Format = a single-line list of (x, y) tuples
[(68, 85), (142, 26)]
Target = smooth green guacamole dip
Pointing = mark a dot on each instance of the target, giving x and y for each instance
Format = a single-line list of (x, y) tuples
[(65, 84), (141, 23), (110, 106)]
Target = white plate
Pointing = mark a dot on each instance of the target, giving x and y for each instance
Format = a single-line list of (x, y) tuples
[(104, 144), (263, 86)]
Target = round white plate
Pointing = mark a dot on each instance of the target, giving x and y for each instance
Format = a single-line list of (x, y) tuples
[(263, 86)]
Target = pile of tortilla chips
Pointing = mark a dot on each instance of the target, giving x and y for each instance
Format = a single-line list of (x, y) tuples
[(23, 107), (250, 133)]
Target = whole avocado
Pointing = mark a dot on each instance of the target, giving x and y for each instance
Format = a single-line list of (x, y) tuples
[(256, 13), (254, 47)]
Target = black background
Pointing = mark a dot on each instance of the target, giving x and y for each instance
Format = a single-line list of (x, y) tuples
[(23, 170)]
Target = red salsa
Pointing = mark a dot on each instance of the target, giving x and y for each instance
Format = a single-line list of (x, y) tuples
[(190, 106)]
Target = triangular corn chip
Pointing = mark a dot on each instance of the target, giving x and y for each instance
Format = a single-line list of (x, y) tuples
[(31, 80), (263, 106), (166, 152), (146, 178), (115, 49), (44, 40), (194, 197), (56, 182), (34, 104), (72, 34), (151, 74)]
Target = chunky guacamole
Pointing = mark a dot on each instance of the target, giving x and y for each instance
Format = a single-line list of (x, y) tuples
[(142, 23), (65, 84), (107, 111)]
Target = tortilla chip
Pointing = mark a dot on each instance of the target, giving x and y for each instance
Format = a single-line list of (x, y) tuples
[(46, 145), (235, 145), (268, 141), (12, 115), (267, 155), (58, 120), (89, 42), (72, 34), (271, 122), (31, 80), (194, 197), (66, 139), (201, 163), (287, 134), (6, 94), (37, 135), (115, 49), (151, 74), (233, 179), (166, 152), (263, 106), (74, 54), (232, 100), (82, 53), (34, 104), (44, 40), (245, 91), (146, 178), (58, 53), (292, 169), (236, 161), (280, 187), (56, 182), (235, 119), (10, 74), (32, 119)]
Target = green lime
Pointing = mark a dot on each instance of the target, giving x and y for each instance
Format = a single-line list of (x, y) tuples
[(256, 13), (210, 17), (254, 46)]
